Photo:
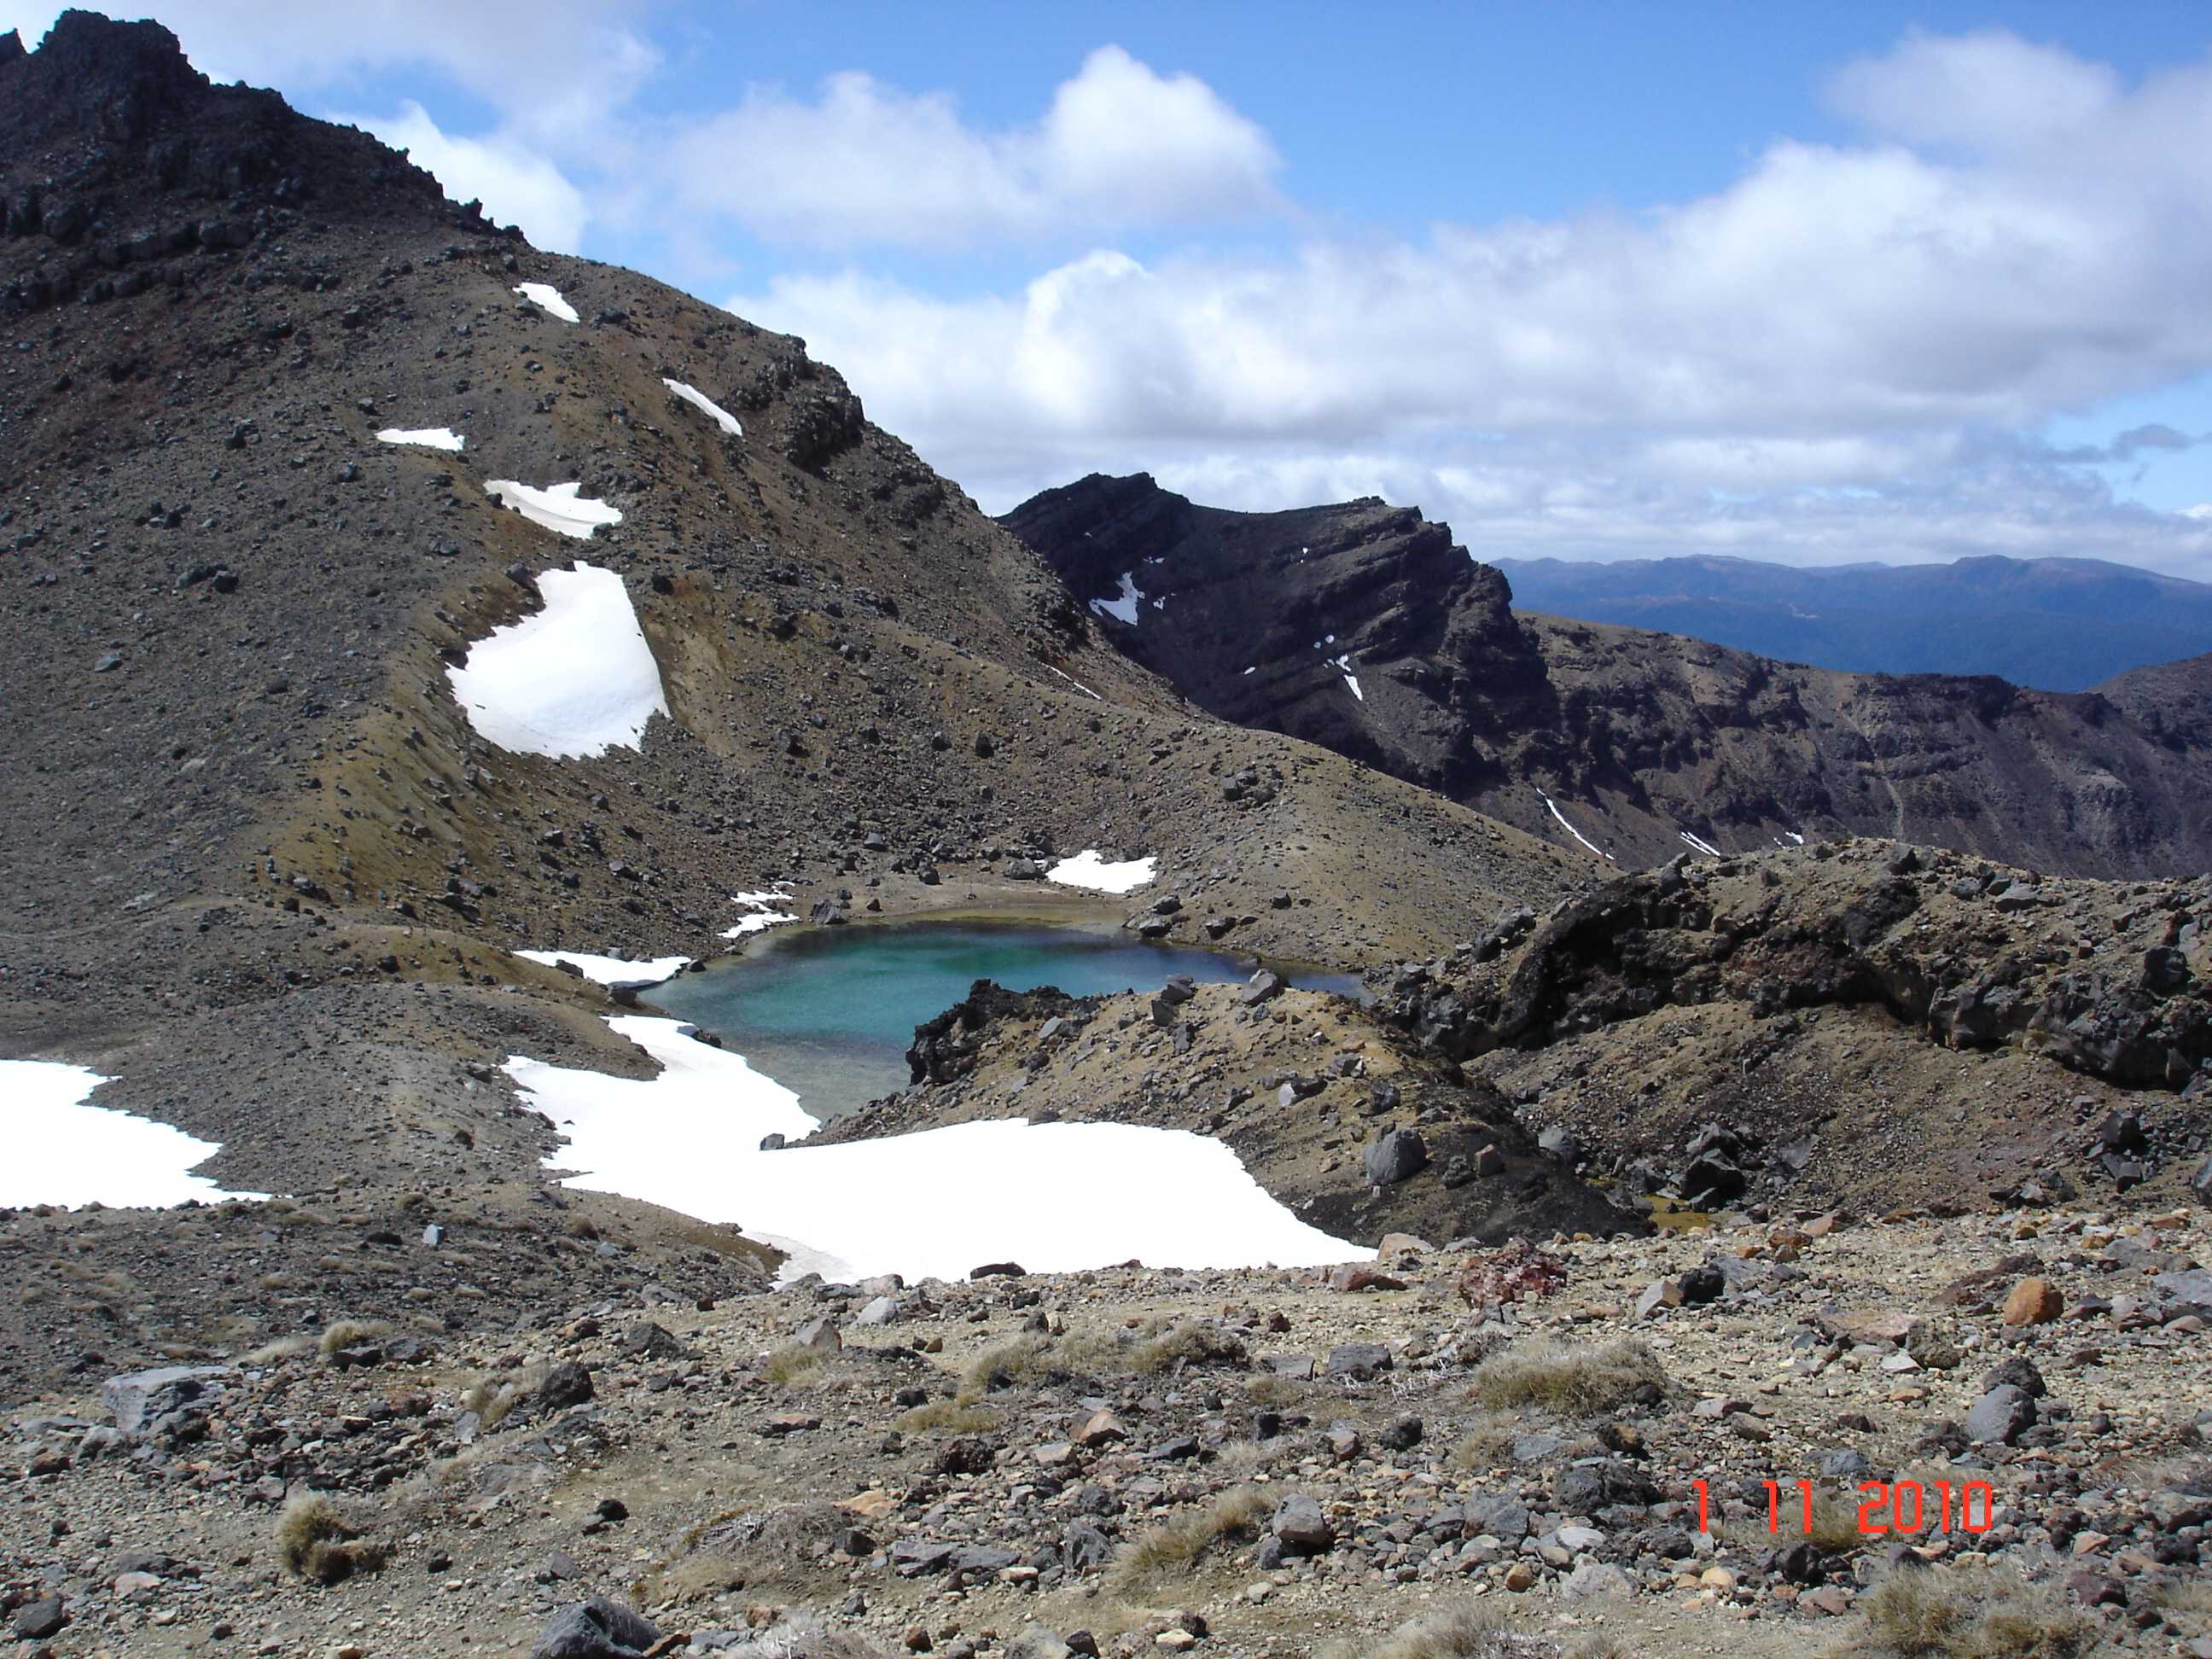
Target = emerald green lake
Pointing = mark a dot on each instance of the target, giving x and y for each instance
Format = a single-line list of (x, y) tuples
[(829, 1012)]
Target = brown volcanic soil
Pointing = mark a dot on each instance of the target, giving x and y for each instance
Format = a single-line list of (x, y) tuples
[(1641, 738)]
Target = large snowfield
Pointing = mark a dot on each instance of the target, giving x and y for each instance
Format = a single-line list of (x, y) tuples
[(575, 678), (63, 1151), (1056, 1197)]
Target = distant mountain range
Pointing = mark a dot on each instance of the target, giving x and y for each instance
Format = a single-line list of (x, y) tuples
[(1366, 629), (2054, 624)]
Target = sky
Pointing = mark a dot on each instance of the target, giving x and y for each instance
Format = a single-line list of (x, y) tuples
[(1793, 282)]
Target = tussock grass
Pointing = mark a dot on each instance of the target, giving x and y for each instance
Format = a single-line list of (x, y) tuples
[(1175, 1546), (1835, 1528), (792, 1365), (1190, 1344), (1572, 1380), (1485, 1443), (1268, 1389), (1004, 1364), (1468, 1632), (491, 1398), (1945, 1613), (348, 1333), (284, 1347), (946, 1417), (316, 1541)]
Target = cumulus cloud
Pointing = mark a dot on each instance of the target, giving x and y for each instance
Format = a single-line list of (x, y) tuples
[(1839, 354), (866, 163), (516, 183)]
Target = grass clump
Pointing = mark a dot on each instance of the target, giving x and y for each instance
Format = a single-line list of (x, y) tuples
[(315, 1541), (1572, 1380), (946, 1417), (1468, 1632), (792, 1365), (1943, 1612), (1175, 1546), (1185, 1345), (284, 1347), (1485, 1443), (348, 1333)]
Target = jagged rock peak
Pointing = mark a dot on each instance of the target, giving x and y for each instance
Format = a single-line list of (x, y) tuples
[(107, 121)]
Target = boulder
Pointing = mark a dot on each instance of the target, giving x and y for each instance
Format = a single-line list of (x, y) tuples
[(1396, 1155), (2001, 1416), (1303, 1530), (141, 1399), (2033, 1302), (597, 1629)]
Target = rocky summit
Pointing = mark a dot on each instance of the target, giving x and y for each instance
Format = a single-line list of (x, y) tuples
[(1362, 626), (1717, 1246)]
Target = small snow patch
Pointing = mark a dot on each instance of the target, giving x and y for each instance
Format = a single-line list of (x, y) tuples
[(1077, 684), (425, 437), (558, 507), (1705, 847), (1123, 608), (1087, 869), (62, 1150), (1571, 828), (575, 678), (700, 400), (615, 973), (762, 913), (1343, 665), (547, 297)]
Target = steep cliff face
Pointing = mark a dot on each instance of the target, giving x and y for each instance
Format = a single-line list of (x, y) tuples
[(1363, 627)]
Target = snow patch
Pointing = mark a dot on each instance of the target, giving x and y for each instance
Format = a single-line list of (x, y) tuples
[(927, 1205), (1705, 847), (762, 913), (1571, 828), (547, 297), (700, 400), (1343, 665), (575, 678), (1087, 869), (1077, 684), (1252, 670), (425, 437), (615, 973), (1122, 609), (558, 507), (61, 1151)]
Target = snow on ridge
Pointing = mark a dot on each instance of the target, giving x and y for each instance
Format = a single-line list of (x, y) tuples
[(1705, 847), (558, 507), (547, 297), (1571, 828), (1087, 869), (575, 678), (762, 913), (425, 437), (63, 1150), (615, 973), (927, 1205), (1123, 608), (701, 401)]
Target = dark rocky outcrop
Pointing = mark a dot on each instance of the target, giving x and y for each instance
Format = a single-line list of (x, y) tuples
[(1363, 627)]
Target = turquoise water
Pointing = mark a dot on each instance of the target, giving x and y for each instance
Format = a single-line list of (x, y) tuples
[(829, 1012)]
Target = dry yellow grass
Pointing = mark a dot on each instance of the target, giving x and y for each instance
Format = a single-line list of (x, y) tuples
[(316, 1541), (1176, 1544), (1944, 1613), (1573, 1380)]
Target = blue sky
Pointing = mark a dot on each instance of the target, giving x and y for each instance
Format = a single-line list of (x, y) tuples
[(1799, 281)]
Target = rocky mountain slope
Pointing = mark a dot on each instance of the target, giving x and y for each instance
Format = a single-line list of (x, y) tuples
[(2056, 624), (267, 872), (1363, 627)]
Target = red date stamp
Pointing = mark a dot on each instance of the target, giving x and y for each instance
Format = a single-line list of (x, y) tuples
[(1885, 1507)]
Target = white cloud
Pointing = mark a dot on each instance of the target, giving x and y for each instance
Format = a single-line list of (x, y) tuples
[(1836, 356), (1121, 145), (516, 184)]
